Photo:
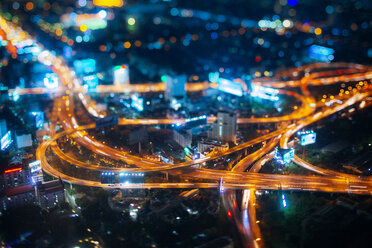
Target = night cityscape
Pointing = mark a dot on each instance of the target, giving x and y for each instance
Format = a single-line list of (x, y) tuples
[(174, 123)]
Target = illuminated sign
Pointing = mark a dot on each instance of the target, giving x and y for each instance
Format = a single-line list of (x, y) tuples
[(321, 53), (39, 119), (85, 66), (230, 87), (213, 77), (265, 93), (131, 177), (35, 166), (284, 201), (91, 81), (51, 81), (222, 188), (13, 170), (284, 156), (108, 3), (137, 102), (6, 140), (308, 139)]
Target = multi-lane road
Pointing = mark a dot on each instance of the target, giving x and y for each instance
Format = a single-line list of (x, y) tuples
[(307, 113)]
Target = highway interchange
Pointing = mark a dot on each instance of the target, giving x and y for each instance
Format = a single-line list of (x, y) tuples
[(309, 112)]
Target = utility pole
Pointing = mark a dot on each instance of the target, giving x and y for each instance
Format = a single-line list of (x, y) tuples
[(303, 152)]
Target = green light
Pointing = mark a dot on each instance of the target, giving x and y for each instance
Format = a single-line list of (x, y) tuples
[(131, 21), (163, 78)]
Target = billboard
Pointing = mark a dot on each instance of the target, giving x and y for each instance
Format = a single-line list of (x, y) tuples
[(213, 77), (266, 93), (307, 139), (91, 81), (284, 156), (51, 81), (39, 119), (35, 166), (134, 177), (23, 140), (85, 66), (6, 140), (137, 102), (321, 53), (230, 87)]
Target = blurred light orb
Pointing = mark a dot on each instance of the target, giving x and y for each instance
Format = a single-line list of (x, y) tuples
[(329, 9), (102, 14), (318, 31), (29, 6), (83, 28), (286, 23), (15, 5), (174, 12), (79, 39), (127, 44), (131, 21), (73, 16), (82, 3)]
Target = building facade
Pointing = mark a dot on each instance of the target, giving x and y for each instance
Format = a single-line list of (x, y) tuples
[(224, 129)]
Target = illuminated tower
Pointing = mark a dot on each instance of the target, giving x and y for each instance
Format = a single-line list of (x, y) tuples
[(121, 75)]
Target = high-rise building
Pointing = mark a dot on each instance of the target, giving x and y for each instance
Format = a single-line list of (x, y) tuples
[(121, 75), (14, 177), (182, 137), (224, 129), (175, 86)]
